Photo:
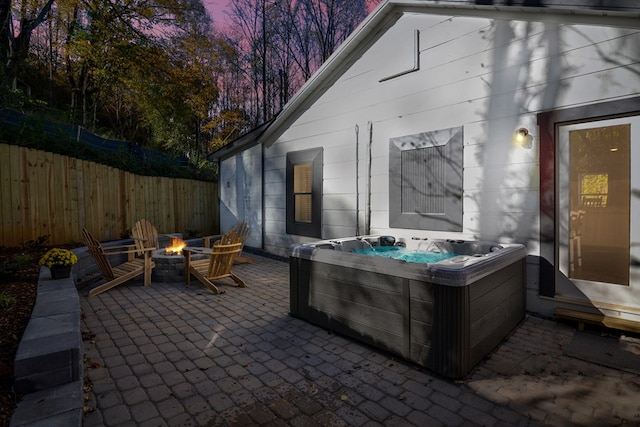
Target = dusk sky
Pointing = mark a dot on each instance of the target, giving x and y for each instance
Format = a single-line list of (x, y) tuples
[(216, 8)]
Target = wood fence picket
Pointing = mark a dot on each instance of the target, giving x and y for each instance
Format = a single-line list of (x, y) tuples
[(46, 194)]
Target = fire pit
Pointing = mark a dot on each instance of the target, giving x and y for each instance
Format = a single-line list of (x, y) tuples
[(170, 262)]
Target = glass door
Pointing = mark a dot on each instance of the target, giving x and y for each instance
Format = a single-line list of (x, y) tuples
[(598, 210)]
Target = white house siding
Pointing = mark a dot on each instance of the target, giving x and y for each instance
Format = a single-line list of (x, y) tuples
[(489, 76), (241, 193)]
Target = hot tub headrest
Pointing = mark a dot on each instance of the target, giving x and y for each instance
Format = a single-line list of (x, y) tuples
[(386, 240)]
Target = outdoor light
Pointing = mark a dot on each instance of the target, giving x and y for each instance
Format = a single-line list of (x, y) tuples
[(523, 138)]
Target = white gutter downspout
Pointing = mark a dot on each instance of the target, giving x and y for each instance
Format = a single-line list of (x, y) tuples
[(357, 181), (368, 212), (262, 203)]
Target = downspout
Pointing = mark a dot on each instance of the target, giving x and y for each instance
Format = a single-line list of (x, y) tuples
[(217, 230), (369, 161), (262, 204), (357, 183)]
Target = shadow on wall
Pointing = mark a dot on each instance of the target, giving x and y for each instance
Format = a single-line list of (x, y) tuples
[(236, 202)]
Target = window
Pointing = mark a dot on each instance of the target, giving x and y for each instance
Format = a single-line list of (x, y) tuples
[(304, 193), (595, 184), (594, 190), (425, 180)]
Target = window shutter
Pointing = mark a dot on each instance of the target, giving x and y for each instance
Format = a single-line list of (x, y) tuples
[(423, 178)]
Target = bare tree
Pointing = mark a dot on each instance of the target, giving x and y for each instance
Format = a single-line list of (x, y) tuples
[(282, 42), (14, 48)]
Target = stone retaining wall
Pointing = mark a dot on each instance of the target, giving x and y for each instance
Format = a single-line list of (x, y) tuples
[(48, 367)]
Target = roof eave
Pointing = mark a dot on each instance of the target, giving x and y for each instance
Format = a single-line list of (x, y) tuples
[(300, 101), (389, 11), (242, 143)]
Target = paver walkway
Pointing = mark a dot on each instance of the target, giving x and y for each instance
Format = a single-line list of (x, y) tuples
[(178, 356)]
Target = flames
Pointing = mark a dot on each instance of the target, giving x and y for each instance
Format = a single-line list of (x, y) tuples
[(177, 244)]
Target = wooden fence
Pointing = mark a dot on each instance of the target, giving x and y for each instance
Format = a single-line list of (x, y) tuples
[(46, 194)]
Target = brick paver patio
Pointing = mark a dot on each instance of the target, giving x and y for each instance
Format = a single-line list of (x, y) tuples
[(171, 355)]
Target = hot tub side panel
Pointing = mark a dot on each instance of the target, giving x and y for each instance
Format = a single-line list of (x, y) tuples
[(449, 338), (422, 309), (470, 321), (448, 329), (360, 304), (298, 274), (497, 305)]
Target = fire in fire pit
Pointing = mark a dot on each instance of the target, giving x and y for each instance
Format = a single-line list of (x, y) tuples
[(177, 244), (170, 262)]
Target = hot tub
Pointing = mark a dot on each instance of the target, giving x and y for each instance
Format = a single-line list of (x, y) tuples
[(445, 316)]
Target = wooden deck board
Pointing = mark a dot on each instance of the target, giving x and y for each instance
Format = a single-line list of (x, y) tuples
[(597, 319)]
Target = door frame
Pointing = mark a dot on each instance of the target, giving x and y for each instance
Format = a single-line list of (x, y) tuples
[(616, 293), (548, 125)]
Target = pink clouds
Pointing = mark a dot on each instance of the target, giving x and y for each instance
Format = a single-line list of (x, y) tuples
[(217, 9)]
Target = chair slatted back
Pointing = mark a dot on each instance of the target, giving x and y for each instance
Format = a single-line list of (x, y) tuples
[(145, 235), (95, 249), (230, 237), (223, 253), (242, 229)]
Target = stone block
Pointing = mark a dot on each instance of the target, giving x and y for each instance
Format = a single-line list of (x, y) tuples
[(56, 299), (64, 287), (49, 354), (55, 306), (45, 380), (57, 407), (56, 324)]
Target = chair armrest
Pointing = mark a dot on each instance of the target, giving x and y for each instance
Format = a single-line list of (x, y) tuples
[(129, 250), (196, 250), (210, 240), (124, 249), (118, 248), (187, 251)]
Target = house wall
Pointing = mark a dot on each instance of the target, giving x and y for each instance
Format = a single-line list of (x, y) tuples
[(489, 76), (241, 193)]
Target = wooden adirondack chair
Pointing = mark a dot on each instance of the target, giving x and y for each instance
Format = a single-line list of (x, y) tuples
[(241, 233), (145, 236), (128, 270), (217, 266)]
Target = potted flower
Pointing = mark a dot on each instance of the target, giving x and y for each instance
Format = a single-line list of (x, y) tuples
[(59, 262)]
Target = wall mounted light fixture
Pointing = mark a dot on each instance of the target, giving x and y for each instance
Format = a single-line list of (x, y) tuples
[(523, 138)]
